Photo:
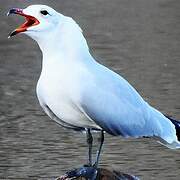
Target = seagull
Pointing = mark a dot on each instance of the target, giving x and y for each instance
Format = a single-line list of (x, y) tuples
[(78, 93)]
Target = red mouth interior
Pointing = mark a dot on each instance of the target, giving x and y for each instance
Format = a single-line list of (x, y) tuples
[(30, 21)]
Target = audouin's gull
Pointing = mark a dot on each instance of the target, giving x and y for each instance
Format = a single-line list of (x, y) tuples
[(81, 94)]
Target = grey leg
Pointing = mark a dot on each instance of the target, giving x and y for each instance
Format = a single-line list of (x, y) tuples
[(89, 142), (89, 171), (99, 150)]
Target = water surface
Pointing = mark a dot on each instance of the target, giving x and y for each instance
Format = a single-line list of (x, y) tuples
[(139, 39)]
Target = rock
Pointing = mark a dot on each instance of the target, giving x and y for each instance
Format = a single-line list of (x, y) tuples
[(91, 173), (105, 174)]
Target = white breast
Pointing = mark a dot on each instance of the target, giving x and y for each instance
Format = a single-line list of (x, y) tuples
[(59, 92)]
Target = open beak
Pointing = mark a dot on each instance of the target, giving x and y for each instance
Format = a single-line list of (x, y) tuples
[(30, 21)]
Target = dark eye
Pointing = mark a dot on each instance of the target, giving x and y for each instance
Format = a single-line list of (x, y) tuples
[(44, 12)]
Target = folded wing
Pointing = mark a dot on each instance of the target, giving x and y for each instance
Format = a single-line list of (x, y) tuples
[(115, 105)]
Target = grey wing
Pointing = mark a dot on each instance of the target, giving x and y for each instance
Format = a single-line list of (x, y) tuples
[(115, 106)]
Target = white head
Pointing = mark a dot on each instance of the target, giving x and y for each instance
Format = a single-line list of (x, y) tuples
[(40, 20), (50, 28)]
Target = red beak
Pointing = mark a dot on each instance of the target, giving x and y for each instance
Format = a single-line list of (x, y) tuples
[(30, 21)]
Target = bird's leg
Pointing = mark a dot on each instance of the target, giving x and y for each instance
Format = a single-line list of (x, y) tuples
[(99, 150), (89, 142), (88, 171)]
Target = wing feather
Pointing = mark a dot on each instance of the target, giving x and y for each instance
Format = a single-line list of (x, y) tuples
[(113, 104)]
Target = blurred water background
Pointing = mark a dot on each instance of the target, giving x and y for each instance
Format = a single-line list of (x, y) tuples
[(140, 39)]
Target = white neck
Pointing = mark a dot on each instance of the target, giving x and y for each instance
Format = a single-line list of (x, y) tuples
[(67, 42)]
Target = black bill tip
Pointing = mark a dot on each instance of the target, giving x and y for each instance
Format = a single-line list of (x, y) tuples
[(12, 34), (14, 11)]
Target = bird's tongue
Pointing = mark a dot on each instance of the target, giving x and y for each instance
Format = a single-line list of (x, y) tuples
[(30, 21)]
